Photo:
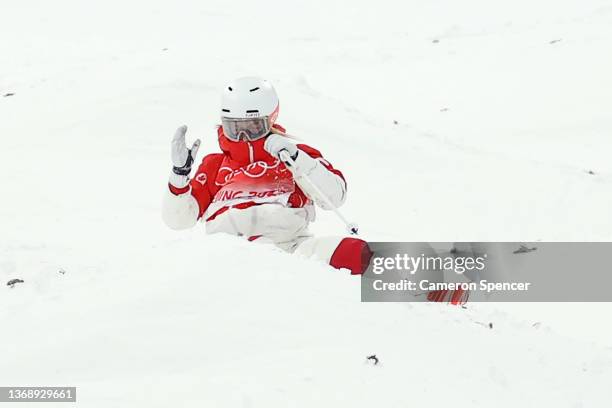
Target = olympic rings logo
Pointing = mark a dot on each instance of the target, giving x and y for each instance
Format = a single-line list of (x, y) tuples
[(253, 170)]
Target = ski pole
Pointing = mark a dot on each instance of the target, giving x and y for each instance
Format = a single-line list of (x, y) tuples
[(352, 228)]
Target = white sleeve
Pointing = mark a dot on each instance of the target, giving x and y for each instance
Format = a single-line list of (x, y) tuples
[(330, 184), (179, 211)]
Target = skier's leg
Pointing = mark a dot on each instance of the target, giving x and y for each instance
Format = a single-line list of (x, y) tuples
[(290, 244), (339, 252)]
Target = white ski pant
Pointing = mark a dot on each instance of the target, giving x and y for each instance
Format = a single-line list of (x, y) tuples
[(286, 228)]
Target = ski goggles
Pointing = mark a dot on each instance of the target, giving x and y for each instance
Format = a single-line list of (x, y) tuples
[(250, 129)]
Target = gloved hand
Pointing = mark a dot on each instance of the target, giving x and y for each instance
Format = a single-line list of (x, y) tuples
[(182, 157), (276, 143)]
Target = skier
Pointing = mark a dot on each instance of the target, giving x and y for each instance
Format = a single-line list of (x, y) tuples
[(247, 190)]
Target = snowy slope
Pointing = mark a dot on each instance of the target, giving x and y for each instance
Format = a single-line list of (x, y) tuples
[(501, 109)]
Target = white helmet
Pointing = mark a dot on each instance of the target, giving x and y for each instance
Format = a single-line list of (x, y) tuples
[(249, 107)]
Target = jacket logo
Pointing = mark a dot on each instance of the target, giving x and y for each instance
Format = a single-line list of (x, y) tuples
[(253, 170), (234, 194), (201, 178)]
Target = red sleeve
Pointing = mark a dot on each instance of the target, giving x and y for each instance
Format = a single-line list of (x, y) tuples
[(203, 187), (315, 154)]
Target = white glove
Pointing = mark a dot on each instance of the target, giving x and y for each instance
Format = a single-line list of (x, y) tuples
[(276, 143), (182, 157), (308, 172)]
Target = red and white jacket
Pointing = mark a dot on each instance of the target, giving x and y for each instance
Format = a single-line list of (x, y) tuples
[(245, 191)]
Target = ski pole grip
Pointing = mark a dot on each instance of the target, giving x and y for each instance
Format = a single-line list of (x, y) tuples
[(286, 158)]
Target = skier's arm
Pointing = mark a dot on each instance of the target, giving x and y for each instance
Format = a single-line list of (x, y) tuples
[(310, 164), (179, 211), (186, 200)]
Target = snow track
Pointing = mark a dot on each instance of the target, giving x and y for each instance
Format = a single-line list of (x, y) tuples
[(502, 133)]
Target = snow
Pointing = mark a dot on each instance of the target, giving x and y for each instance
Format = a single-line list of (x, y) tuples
[(501, 109)]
